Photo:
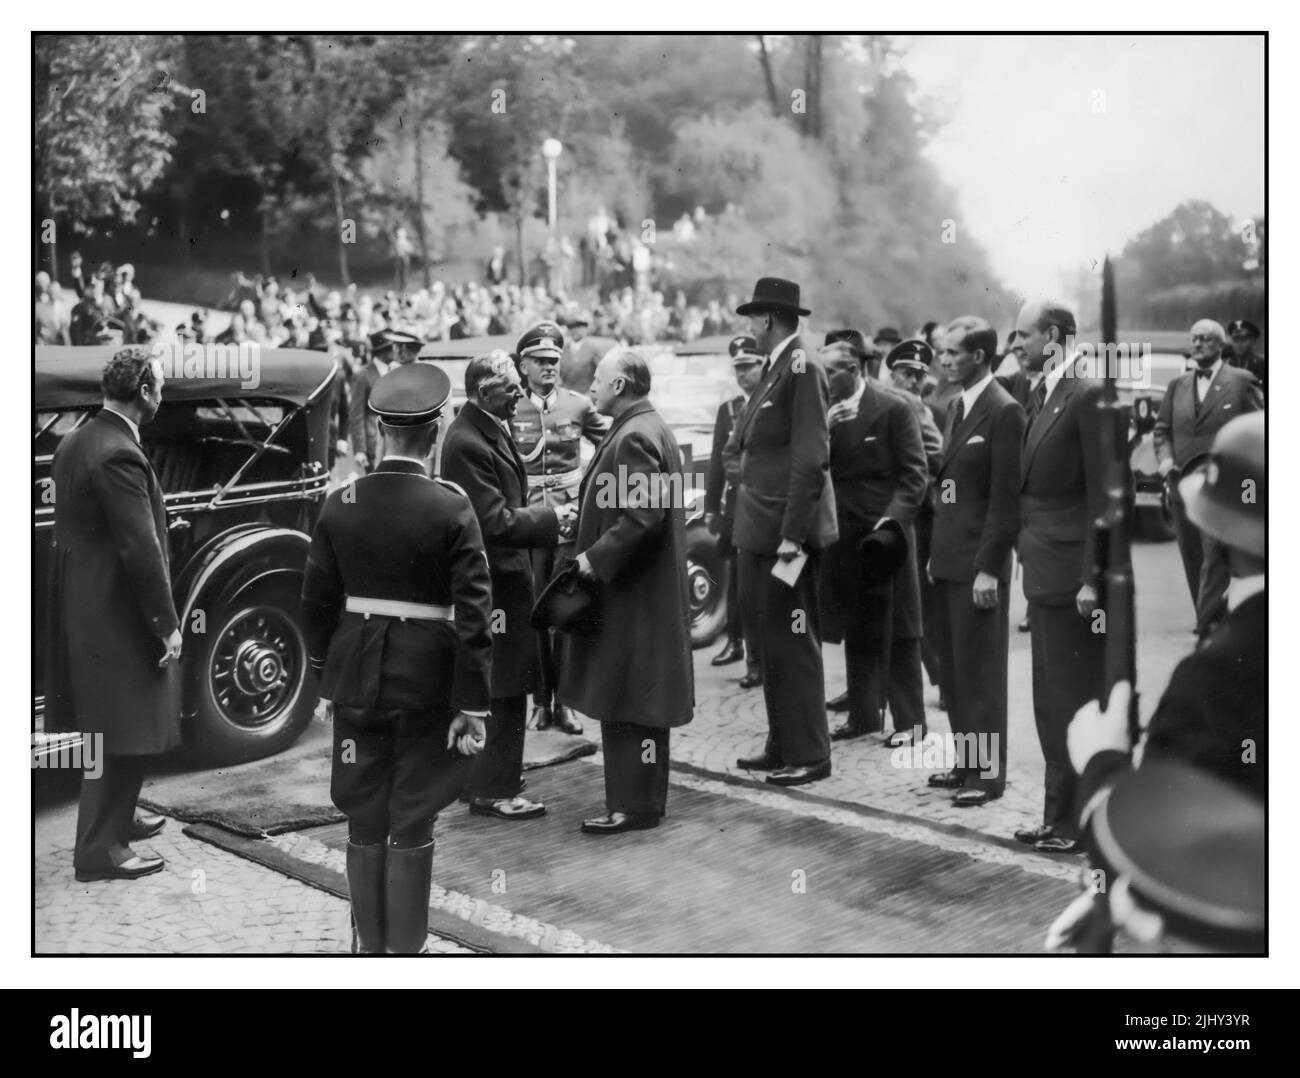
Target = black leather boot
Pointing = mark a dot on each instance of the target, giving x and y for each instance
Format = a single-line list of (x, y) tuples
[(409, 873), (366, 889)]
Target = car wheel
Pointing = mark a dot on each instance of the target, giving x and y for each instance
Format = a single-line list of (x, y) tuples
[(1155, 524), (706, 579), (248, 679)]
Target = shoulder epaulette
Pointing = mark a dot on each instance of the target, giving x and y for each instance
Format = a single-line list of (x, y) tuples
[(448, 483)]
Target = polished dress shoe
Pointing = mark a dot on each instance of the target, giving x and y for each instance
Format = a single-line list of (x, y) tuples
[(732, 652), (838, 703), (973, 798), (146, 825), (1023, 627), (1032, 835), (845, 732), (800, 775), (562, 718), (131, 869), (751, 681), (507, 808), (540, 719), (946, 780), (1057, 844), (762, 762), (897, 739), (613, 823)]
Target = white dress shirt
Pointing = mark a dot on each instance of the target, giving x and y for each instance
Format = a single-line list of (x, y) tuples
[(1203, 384), (970, 396)]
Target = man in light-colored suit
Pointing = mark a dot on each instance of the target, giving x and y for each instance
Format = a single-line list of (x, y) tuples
[(1195, 407), (779, 458)]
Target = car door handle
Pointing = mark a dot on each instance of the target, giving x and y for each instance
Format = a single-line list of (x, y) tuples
[(180, 524)]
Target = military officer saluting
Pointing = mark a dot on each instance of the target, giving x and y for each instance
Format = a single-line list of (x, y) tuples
[(388, 348), (548, 427), (396, 607)]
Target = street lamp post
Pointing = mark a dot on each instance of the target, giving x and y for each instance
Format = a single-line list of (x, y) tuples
[(551, 150)]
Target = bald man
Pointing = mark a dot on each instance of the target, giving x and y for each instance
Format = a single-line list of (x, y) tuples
[(1195, 406)]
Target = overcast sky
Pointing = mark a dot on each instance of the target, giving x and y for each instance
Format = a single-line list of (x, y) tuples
[(1046, 182)]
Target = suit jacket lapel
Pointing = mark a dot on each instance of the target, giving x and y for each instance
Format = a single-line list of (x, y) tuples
[(499, 440), (765, 387), (1213, 394), (1053, 408), (637, 409), (969, 423)]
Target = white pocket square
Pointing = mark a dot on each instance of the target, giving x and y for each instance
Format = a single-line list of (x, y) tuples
[(977, 438), (1228, 405), (765, 404), (869, 438)]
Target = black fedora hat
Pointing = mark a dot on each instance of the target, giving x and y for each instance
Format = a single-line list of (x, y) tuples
[(570, 603), (883, 551), (773, 294)]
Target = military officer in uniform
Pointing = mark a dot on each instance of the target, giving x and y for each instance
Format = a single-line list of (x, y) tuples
[(909, 364), (720, 507), (548, 427), (388, 348), (396, 606), (1245, 335)]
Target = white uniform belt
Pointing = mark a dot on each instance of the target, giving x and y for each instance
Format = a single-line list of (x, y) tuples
[(395, 608), (559, 479)]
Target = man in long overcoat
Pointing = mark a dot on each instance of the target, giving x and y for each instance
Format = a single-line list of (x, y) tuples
[(114, 640), (634, 675)]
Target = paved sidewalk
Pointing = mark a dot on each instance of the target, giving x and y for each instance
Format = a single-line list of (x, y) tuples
[(206, 901)]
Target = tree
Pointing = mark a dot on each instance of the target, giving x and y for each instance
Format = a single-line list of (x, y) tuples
[(100, 107)]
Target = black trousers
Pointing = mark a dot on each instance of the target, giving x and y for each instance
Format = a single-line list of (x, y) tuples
[(973, 649), (786, 623), (929, 638), (866, 659), (636, 768), (1205, 565), (499, 768), (544, 559), (906, 696), (738, 627), (106, 810), (393, 773), (1067, 659)]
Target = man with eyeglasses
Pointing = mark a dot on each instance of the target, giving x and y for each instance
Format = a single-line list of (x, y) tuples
[(548, 427), (1195, 407)]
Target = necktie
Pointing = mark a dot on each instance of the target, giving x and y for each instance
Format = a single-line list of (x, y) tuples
[(1040, 398), (959, 413)]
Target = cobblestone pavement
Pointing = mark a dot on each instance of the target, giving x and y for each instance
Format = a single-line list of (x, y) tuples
[(731, 722), (208, 901)]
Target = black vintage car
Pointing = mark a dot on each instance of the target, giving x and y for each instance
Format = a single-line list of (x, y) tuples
[(244, 474)]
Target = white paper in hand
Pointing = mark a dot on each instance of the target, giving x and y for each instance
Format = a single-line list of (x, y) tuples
[(788, 571)]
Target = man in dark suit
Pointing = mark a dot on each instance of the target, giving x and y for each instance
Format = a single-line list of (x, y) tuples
[(1061, 496), (480, 457), (634, 675), (1196, 406), (879, 474), (977, 515), (720, 508), (779, 458), (114, 638), (397, 607)]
